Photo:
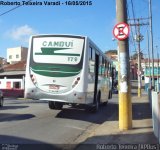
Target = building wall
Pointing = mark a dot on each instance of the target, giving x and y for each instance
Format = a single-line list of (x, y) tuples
[(3, 61), (16, 54), (147, 64), (12, 83), (24, 53)]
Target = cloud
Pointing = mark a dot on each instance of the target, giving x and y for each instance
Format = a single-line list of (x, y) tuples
[(21, 33)]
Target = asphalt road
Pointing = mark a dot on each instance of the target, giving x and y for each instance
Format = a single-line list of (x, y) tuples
[(32, 123)]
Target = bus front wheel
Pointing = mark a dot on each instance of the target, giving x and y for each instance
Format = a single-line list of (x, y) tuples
[(55, 105), (110, 94)]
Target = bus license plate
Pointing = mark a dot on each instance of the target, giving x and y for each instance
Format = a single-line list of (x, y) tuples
[(54, 87)]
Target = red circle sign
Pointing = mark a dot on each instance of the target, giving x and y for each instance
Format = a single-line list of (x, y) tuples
[(121, 31)]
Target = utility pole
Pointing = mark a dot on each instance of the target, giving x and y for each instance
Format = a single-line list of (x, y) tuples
[(158, 74), (138, 39), (125, 106), (157, 70), (139, 62), (151, 40), (150, 82)]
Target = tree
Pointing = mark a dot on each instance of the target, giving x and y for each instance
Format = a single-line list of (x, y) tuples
[(135, 56), (113, 52)]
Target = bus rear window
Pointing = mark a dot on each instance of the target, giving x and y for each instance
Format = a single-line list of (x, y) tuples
[(57, 50)]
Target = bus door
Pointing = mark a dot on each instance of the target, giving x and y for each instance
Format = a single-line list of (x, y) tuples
[(96, 75)]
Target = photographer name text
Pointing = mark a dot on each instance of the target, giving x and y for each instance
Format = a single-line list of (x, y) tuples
[(46, 3)]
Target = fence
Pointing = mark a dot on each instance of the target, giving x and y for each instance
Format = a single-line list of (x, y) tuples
[(155, 103)]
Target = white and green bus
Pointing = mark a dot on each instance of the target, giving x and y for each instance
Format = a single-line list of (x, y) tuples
[(67, 69)]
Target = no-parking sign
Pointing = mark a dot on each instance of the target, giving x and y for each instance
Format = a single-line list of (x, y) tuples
[(121, 31)]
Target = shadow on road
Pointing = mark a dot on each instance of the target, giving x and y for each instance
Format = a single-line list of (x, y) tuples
[(14, 117), (115, 139), (109, 112), (13, 107), (141, 111), (15, 143), (20, 101)]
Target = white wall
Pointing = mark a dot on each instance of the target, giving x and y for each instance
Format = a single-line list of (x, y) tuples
[(3, 83), (20, 51)]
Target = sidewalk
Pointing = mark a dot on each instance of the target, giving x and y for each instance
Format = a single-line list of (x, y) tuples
[(109, 133)]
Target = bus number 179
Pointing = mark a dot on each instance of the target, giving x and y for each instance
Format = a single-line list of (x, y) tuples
[(72, 59)]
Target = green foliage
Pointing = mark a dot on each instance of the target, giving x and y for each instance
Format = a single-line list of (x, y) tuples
[(135, 56), (111, 52)]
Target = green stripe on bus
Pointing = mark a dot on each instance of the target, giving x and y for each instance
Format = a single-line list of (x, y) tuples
[(56, 71), (55, 74), (60, 54), (51, 51)]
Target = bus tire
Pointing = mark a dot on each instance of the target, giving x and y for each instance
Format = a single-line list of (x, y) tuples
[(1, 102), (73, 104), (58, 105), (51, 105), (55, 105), (105, 103), (110, 94)]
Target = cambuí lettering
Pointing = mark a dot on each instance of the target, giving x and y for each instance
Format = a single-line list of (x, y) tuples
[(57, 44)]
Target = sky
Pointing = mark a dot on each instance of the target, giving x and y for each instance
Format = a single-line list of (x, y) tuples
[(95, 21)]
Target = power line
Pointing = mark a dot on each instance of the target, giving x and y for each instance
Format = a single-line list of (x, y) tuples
[(133, 15), (12, 9), (132, 37)]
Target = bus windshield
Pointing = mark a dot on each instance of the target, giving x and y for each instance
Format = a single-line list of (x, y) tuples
[(57, 50)]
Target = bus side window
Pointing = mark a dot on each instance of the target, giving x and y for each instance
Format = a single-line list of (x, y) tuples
[(103, 66), (100, 65), (91, 57), (90, 53), (106, 68), (93, 54)]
